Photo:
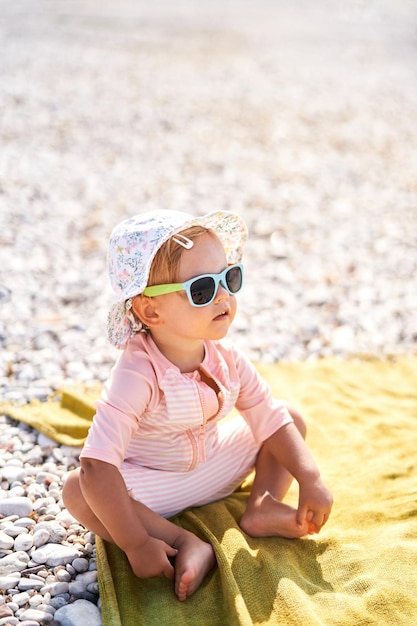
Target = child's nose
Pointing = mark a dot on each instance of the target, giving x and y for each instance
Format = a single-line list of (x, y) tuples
[(222, 293)]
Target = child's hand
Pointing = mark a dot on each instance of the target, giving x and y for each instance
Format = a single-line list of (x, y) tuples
[(314, 505), (151, 559)]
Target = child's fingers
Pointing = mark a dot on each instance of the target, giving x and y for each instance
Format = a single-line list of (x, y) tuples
[(169, 571), (301, 515)]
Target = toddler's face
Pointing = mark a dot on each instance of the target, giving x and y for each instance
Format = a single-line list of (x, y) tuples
[(207, 256)]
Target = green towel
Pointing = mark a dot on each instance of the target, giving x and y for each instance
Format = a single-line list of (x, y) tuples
[(360, 570)]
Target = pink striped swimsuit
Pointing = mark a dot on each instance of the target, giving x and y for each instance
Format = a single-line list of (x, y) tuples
[(164, 430)]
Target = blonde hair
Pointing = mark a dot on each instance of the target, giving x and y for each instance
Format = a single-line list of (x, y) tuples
[(164, 268)]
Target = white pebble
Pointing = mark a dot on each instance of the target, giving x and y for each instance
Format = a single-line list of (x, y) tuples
[(13, 473), (9, 581), (9, 621), (53, 509), (13, 531), (63, 576), (55, 589), (87, 577), (23, 542), (36, 491), (54, 554), (43, 617), (12, 563), (17, 490), (40, 537), (21, 598), (26, 584), (18, 506), (79, 613), (6, 542), (57, 533), (36, 600), (65, 518), (26, 522)]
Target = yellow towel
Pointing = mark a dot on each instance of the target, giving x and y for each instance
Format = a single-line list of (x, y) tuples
[(65, 417), (360, 570)]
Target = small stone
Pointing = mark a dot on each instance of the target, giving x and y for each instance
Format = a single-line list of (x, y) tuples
[(23, 542), (65, 518), (80, 565), (36, 491), (87, 577), (43, 617), (57, 533), (21, 598), (63, 576), (13, 473), (6, 542), (36, 600), (45, 442), (25, 522), (5, 611), (15, 562), (55, 589), (53, 509), (17, 490), (70, 569), (25, 584), (10, 519), (10, 621), (47, 608), (13, 606), (58, 602), (79, 613), (10, 581), (18, 506), (40, 537), (93, 588), (54, 554), (13, 531)]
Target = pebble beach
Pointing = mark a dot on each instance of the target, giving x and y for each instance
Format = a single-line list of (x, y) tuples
[(301, 118)]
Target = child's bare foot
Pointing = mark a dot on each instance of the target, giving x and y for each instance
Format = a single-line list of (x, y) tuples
[(193, 562), (268, 517)]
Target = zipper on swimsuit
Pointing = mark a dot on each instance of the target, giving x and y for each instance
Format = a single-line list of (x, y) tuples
[(201, 443), (198, 442), (191, 437)]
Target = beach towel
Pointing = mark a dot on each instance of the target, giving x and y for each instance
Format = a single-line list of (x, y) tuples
[(360, 570)]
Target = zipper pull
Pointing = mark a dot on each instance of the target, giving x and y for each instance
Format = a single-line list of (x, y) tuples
[(201, 446)]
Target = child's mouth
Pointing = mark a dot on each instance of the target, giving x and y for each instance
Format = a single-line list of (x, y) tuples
[(222, 316)]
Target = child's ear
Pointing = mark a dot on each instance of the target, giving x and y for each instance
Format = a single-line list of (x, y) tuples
[(145, 309)]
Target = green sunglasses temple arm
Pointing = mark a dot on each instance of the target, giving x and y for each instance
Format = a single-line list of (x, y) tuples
[(160, 290)]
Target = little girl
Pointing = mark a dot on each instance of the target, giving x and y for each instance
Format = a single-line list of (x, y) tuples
[(158, 442)]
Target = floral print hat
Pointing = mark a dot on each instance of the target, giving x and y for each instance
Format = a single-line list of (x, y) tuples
[(132, 248)]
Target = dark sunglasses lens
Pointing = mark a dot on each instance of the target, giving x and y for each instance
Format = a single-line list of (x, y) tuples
[(202, 290), (234, 279)]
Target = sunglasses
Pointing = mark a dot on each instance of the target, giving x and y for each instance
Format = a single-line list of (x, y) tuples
[(202, 290)]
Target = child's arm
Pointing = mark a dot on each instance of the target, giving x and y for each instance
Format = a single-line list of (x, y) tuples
[(315, 500), (105, 492)]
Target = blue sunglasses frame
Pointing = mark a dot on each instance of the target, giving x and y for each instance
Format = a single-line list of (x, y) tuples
[(221, 278)]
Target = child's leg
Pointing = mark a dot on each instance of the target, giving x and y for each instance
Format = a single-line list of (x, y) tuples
[(195, 557), (266, 515)]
